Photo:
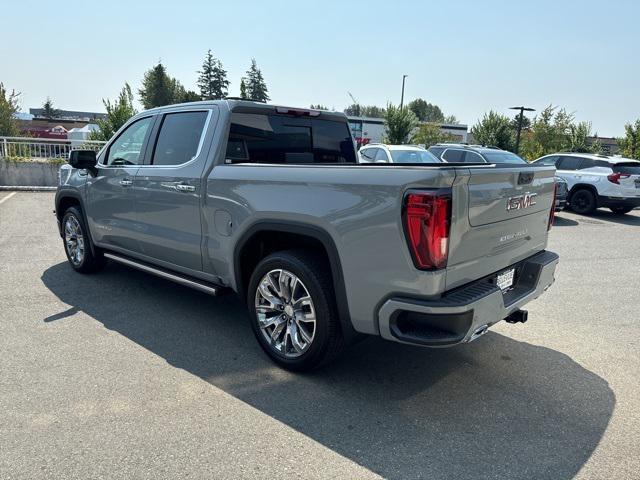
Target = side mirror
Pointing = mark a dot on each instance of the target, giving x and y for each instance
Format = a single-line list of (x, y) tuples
[(83, 159)]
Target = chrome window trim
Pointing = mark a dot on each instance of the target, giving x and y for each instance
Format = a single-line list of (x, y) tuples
[(203, 134)]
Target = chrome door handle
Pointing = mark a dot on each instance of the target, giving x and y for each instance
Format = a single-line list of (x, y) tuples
[(126, 182), (185, 188)]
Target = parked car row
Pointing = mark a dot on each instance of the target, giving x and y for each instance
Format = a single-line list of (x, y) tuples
[(584, 182), (595, 181)]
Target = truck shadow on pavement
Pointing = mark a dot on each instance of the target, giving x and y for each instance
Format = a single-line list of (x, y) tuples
[(496, 408)]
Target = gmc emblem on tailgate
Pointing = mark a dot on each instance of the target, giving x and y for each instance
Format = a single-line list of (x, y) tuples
[(521, 201)]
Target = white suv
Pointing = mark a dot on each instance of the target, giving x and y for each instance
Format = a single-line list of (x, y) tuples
[(382, 153), (597, 181)]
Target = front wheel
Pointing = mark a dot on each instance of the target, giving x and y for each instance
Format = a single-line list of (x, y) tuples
[(76, 243), (583, 202), (621, 210), (293, 310)]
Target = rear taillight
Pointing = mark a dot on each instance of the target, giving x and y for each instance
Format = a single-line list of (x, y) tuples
[(615, 177), (552, 215), (427, 216)]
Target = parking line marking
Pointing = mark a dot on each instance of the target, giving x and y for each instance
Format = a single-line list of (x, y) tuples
[(4, 199)]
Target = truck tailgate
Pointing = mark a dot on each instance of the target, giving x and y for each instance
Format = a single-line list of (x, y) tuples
[(500, 216)]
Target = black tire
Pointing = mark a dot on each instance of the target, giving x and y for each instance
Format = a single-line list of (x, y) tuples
[(583, 202), (621, 210), (314, 273), (91, 260)]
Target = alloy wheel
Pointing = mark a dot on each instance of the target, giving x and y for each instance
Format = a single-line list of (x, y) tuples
[(285, 313), (74, 240)]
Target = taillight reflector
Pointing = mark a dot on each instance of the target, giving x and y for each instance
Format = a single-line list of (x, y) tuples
[(427, 216), (615, 177)]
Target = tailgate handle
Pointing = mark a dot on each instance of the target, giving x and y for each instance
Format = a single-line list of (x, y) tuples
[(525, 178)]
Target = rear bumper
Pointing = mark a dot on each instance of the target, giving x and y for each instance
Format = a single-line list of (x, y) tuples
[(463, 314), (619, 202)]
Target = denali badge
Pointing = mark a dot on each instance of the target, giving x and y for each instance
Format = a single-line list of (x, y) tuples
[(521, 201)]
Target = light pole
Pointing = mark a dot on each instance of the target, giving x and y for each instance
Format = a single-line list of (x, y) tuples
[(402, 96), (522, 110)]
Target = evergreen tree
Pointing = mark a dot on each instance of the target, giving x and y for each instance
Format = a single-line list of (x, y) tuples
[(212, 82), (48, 110), (243, 88), (256, 88), (158, 88)]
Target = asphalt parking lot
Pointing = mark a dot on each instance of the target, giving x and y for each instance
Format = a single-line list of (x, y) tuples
[(125, 375)]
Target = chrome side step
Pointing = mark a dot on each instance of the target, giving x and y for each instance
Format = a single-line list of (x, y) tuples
[(175, 277)]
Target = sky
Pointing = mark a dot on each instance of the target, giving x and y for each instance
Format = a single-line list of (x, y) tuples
[(468, 57)]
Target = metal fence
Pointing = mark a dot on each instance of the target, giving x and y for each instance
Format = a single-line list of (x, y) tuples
[(27, 148)]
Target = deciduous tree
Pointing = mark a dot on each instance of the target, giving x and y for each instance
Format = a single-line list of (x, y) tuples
[(630, 143), (9, 102), (494, 129), (429, 134), (118, 113), (399, 124)]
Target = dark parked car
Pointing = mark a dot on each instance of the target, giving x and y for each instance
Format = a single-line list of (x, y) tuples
[(562, 192), (462, 153)]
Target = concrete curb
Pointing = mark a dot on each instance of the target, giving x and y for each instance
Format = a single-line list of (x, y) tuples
[(22, 188)]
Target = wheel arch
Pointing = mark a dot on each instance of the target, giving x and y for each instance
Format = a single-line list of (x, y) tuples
[(583, 186), (70, 198), (250, 249)]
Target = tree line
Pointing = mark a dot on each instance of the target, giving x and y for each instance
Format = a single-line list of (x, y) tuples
[(159, 88), (552, 130)]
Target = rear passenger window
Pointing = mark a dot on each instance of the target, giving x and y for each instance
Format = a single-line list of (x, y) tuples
[(451, 155), (471, 157), (569, 163), (179, 138), (587, 163), (284, 139)]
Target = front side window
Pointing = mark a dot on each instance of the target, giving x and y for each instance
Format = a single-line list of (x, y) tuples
[(381, 156), (179, 138), (369, 154), (285, 139), (127, 148)]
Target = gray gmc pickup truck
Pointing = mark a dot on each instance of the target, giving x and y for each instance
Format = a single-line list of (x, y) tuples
[(271, 203)]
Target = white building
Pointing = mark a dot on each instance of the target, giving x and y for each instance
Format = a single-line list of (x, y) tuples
[(371, 130)]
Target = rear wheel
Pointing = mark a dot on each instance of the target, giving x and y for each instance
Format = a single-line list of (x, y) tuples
[(76, 243), (583, 202), (293, 310), (621, 210)]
